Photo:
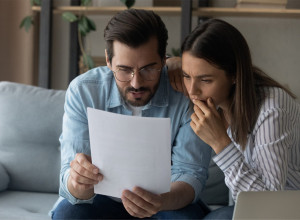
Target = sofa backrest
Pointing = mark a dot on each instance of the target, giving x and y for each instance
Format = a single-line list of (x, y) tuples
[(215, 192), (30, 126)]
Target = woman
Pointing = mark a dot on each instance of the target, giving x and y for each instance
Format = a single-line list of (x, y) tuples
[(250, 120)]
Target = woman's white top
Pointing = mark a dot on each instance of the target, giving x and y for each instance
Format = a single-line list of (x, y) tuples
[(271, 160)]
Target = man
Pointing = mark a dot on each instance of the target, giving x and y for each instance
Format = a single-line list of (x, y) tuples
[(135, 82)]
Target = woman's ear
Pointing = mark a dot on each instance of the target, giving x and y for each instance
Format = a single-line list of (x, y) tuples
[(108, 64)]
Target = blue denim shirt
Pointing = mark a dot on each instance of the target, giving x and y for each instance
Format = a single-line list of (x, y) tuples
[(97, 89)]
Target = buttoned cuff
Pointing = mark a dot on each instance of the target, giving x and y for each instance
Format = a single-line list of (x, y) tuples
[(227, 157)]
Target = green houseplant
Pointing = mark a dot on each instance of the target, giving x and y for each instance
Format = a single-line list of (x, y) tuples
[(85, 25), (28, 21)]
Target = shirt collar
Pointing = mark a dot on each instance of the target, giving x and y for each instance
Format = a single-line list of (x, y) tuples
[(160, 98)]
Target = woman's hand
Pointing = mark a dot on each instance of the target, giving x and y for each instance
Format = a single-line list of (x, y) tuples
[(175, 74), (208, 125)]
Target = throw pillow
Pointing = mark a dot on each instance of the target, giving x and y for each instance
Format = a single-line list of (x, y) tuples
[(4, 178)]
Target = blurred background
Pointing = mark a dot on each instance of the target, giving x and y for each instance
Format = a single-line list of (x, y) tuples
[(274, 40)]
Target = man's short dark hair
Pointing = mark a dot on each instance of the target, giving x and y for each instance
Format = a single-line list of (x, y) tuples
[(135, 27)]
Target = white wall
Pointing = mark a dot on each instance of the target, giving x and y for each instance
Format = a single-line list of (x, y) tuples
[(274, 44)]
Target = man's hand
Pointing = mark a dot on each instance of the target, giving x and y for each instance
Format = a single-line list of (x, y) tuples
[(141, 203), (83, 176), (175, 74)]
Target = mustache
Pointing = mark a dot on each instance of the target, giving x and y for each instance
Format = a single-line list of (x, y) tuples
[(142, 89)]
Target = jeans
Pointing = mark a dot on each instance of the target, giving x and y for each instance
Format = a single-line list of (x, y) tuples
[(105, 208), (220, 213)]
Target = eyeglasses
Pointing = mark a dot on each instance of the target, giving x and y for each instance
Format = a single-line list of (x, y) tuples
[(124, 74)]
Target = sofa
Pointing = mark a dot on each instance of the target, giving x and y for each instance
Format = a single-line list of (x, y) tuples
[(30, 125)]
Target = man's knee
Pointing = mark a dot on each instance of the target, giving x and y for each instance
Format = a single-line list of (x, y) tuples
[(192, 211), (65, 210), (225, 212)]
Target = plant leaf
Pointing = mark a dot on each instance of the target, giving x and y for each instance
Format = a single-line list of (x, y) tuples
[(85, 2), (91, 24), (37, 2), (83, 25), (27, 22), (82, 29), (176, 52), (69, 16), (88, 61), (128, 3)]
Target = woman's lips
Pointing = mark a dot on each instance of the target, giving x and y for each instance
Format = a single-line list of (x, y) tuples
[(202, 100)]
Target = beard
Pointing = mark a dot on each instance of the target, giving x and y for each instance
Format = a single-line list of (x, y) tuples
[(148, 94), (138, 101)]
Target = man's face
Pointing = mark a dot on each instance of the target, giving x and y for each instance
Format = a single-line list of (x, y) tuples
[(138, 91)]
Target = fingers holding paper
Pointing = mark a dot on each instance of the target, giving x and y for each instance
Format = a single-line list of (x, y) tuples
[(141, 203), (83, 176)]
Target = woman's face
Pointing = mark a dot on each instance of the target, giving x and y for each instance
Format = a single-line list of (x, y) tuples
[(204, 80)]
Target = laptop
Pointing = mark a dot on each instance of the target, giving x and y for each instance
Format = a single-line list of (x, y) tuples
[(267, 205)]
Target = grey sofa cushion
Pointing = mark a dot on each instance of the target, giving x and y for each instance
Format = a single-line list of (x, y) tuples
[(215, 192), (30, 125), (16, 205), (4, 178)]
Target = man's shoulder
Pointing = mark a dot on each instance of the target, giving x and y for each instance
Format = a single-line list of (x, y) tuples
[(175, 98), (93, 88), (178, 98), (95, 76)]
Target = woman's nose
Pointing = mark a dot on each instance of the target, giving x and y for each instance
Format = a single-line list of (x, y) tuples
[(193, 90)]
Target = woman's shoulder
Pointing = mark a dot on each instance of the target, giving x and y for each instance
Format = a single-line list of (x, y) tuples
[(278, 105), (278, 100)]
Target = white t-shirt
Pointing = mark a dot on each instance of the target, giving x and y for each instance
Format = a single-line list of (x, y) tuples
[(136, 110)]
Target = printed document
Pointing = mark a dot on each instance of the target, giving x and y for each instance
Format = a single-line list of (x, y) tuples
[(130, 151)]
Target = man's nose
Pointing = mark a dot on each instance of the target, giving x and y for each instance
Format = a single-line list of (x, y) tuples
[(136, 80)]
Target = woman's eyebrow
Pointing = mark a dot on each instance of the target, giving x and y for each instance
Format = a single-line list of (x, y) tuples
[(182, 71), (204, 76), (199, 76)]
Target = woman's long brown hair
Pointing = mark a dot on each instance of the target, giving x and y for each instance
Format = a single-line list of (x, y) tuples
[(223, 45)]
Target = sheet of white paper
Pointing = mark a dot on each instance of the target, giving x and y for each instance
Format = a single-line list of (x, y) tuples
[(130, 151)]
